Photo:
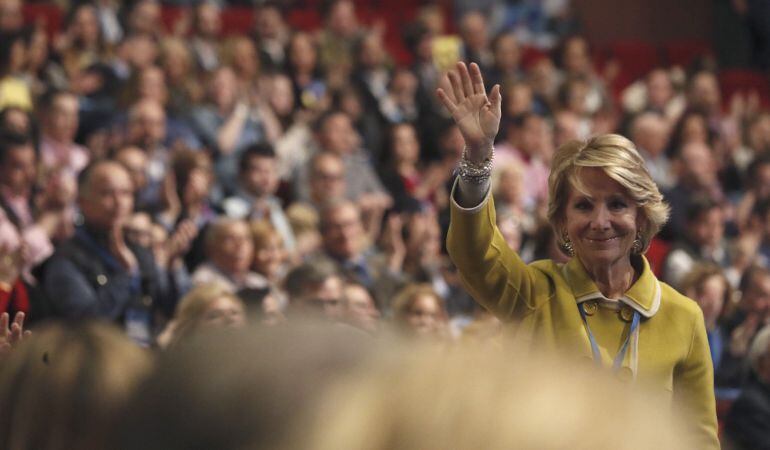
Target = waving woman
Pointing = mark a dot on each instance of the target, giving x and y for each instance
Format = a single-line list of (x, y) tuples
[(605, 303)]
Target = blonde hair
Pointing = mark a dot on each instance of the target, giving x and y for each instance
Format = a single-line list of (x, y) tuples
[(422, 398), (262, 232), (619, 159), (193, 305), (405, 299), (66, 385)]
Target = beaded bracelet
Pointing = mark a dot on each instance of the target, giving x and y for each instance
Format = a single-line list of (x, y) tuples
[(476, 173)]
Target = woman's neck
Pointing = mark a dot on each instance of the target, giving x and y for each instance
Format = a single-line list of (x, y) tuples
[(612, 280)]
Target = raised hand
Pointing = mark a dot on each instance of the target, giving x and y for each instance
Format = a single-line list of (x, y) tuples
[(476, 114), (11, 333)]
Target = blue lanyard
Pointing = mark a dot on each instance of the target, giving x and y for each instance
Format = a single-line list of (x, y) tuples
[(595, 347)]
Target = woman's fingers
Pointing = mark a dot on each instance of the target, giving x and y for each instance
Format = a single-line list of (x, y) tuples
[(495, 98), (448, 103), (477, 80), (465, 79), (19, 319), (457, 89)]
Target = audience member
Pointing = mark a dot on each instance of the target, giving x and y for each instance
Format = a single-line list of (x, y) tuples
[(97, 273)]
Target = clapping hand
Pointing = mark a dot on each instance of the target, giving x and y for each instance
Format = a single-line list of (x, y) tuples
[(476, 114)]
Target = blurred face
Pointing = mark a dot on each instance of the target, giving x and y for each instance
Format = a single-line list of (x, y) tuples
[(245, 58), (711, 299), (17, 170), (269, 23), (208, 19), (223, 88), (698, 165), (756, 298), (659, 89), (152, 85), (507, 53), (338, 135), (327, 179), (342, 18), (145, 17), (108, 199), (602, 221), (425, 316), (11, 18), (519, 100), (134, 160), (62, 123), (269, 258), (406, 147), (85, 26), (281, 96), (17, 120), (343, 231), (707, 230), (138, 229), (695, 129), (360, 309), (372, 52), (704, 92), (176, 61), (531, 137), (474, 30), (148, 126), (302, 53), (576, 56), (326, 299), (260, 177), (234, 251), (224, 312)]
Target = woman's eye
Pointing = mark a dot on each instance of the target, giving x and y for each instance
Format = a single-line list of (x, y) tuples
[(583, 205), (618, 204)]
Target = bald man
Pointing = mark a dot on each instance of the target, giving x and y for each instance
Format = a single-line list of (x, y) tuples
[(97, 273)]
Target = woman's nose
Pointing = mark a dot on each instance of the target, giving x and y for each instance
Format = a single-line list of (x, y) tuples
[(600, 218)]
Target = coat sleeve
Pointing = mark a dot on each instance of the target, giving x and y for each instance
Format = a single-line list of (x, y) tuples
[(491, 271), (694, 387)]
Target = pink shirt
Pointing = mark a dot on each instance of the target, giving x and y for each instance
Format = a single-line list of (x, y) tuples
[(39, 246), (54, 155)]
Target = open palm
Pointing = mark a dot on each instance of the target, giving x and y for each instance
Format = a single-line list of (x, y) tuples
[(476, 114)]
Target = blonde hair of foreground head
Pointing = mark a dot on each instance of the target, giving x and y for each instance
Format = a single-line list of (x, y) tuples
[(620, 160), (472, 399), (64, 386)]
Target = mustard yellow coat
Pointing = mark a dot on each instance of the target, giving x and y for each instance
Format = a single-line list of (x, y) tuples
[(671, 353)]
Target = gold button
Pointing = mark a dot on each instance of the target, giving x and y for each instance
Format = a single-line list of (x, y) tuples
[(625, 374), (590, 307), (147, 300), (101, 279), (626, 313)]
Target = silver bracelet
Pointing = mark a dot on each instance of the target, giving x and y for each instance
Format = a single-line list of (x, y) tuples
[(475, 173)]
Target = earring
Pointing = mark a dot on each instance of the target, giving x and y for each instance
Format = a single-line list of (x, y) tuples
[(636, 246), (566, 246)]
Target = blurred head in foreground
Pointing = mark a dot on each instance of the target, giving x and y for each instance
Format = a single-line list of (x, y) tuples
[(65, 385), (327, 387)]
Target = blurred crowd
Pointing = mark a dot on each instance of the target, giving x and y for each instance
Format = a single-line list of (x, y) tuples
[(169, 180)]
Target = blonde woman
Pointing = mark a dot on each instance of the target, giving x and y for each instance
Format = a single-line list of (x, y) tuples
[(605, 303), (210, 305)]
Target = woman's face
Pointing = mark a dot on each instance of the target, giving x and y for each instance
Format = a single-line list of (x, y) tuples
[(406, 147), (601, 222), (711, 299), (269, 258), (224, 312), (302, 53), (695, 130), (424, 317)]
